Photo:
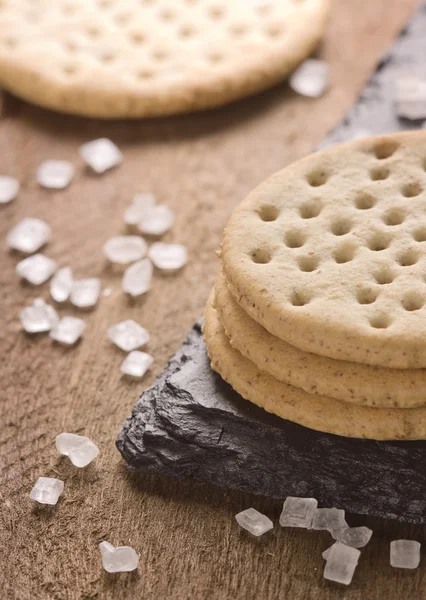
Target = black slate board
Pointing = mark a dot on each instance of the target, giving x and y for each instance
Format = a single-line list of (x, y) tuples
[(190, 423)]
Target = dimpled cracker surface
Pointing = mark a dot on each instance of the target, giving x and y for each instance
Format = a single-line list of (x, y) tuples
[(329, 254), (133, 58), (347, 381), (316, 412)]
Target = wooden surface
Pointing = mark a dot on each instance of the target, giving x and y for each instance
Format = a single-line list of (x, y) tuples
[(202, 166)]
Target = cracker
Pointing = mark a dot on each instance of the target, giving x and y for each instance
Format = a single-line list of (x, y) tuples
[(329, 254), (346, 381), (316, 412), (134, 58)]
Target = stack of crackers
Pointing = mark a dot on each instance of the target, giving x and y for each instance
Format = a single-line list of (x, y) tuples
[(319, 312)]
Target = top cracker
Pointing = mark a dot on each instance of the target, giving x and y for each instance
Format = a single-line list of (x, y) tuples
[(329, 254), (138, 58)]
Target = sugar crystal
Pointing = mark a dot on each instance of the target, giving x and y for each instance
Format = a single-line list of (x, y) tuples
[(118, 559), (254, 522), (85, 292), (55, 174), (169, 257), (61, 284), (137, 278), (9, 188), (156, 220), (341, 563), (125, 249), (298, 512), (39, 317), (47, 490), (311, 78), (68, 330), (329, 519), (29, 235), (101, 154), (36, 269), (134, 213), (356, 537), (405, 554), (136, 363), (128, 335), (79, 448)]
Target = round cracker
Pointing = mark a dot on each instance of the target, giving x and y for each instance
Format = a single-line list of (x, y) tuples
[(316, 412), (346, 381), (138, 58), (329, 254)]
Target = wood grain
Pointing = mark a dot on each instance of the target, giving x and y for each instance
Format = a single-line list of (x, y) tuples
[(201, 165)]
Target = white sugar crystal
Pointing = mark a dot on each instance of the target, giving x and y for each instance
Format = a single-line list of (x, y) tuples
[(47, 490), (38, 317), (29, 235), (136, 363), (298, 512), (134, 213), (61, 284), (137, 278), (128, 335), (356, 537), (68, 330), (405, 554), (85, 292), (79, 448), (9, 188), (55, 174), (254, 522), (101, 154), (169, 257), (125, 249), (329, 519), (311, 78), (326, 553), (156, 220), (36, 269), (410, 97), (106, 292), (341, 563), (118, 559)]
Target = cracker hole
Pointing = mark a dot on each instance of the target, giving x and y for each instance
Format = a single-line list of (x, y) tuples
[(107, 57), (105, 3), (294, 239), (409, 190), (380, 321), (160, 54), (420, 234), (365, 201), (215, 57), (384, 276), (385, 149), (261, 256), (413, 301), (344, 254), (11, 42), (378, 242), (308, 263), (238, 29), (69, 9), (216, 12), (299, 299), (93, 32), (268, 212), (186, 31), (317, 178), (408, 258), (379, 173), (122, 18), (167, 15), (263, 9), (311, 209), (366, 296), (145, 74), (274, 31), (70, 46), (69, 69), (393, 217), (137, 37), (341, 227)]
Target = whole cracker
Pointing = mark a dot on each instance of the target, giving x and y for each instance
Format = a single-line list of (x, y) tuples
[(135, 58), (316, 412), (346, 381), (329, 254)]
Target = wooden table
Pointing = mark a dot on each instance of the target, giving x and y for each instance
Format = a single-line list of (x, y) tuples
[(202, 166)]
